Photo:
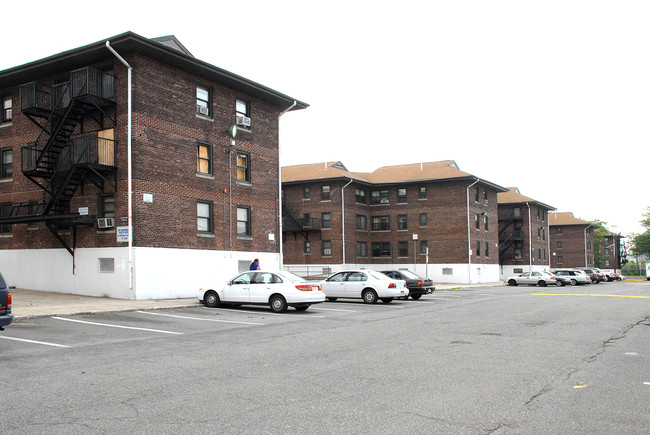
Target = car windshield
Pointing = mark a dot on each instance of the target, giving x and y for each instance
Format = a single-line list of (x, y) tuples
[(291, 277), (409, 275)]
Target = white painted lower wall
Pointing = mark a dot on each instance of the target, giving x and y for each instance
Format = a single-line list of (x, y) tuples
[(159, 273), (442, 273), (509, 270)]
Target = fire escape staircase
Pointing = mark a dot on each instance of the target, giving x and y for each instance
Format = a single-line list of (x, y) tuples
[(60, 163), (508, 236), (292, 224)]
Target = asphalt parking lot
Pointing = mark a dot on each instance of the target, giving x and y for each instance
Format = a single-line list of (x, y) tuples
[(481, 360)]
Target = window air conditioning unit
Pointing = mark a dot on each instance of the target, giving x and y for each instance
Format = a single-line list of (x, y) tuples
[(105, 223), (384, 201), (243, 120), (202, 110)]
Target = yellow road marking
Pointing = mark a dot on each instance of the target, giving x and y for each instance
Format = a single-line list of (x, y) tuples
[(579, 294), (580, 386)]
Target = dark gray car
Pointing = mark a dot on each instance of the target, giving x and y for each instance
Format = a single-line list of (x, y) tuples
[(5, 304)]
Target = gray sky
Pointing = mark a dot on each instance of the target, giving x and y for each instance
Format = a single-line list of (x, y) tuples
[(550, 96)]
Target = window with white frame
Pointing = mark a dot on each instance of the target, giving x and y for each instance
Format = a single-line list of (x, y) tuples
[(7, 109), (307, 247), (326, 219), (242, 109), (325, 193), (327, 248), (401, 195), (203, 106), (243, 221)]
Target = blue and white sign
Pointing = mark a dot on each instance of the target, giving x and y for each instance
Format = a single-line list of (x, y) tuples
[(122, 234)]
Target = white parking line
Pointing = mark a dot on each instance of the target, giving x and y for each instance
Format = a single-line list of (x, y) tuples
[(265, 313), (34, 341), (333, 309), (199, 318), (118, 326)]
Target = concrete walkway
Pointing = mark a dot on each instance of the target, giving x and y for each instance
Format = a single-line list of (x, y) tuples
[(33, 303)]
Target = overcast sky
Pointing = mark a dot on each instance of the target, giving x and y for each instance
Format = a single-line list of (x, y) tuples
[(550, 96)]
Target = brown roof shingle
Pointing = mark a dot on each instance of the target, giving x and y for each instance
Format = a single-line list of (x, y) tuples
[(565, 218), (513, 196)]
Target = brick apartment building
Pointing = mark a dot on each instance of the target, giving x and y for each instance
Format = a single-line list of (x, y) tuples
[(122, 174), (524, 244), (432, 218), (610, 251), (572, 241)]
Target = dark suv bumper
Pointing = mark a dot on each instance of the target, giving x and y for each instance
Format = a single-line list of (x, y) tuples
[(6, 319)]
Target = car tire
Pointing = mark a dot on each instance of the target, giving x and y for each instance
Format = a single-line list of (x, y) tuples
[(559, 283), (302, 308), (387, 300), (541, 283), (416, 297), (369, 296), (574, 282), (211, 299), (332, 299), (278, 304), (512, 282)]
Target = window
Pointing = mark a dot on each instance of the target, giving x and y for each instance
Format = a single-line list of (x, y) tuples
[(606, 251), (487, 249), (485, 222), (5, 211), (478, 249), (401, 195), (539, 218), (327, 248), (517, 253), (543, 233), (423, 219), (306, 220), (203, 158), (362, 222), (560, 259), (33, 210), (422, 193), (360, 196), (107, 206), (607, 263), (539, 253), (559, 230), (447, 271), (6, 170), (204, 217), (589, 244), (203, 101), (243, 167), (485, 197), (559, 244), (539, 233), (305, 192), (307, 247), (243, 221), (380, 223), (543, 216), (380, 249), (517, 213), (402, 249), (477, 220), (327, 220), (402, 222), (242, 107), (7, 109), (325, 193), (362, 249), (476, 194), (379, 197), (544, 251), (424, 247)]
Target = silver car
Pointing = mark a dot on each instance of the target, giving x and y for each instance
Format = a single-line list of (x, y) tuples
[(577, 277), (541, 279)]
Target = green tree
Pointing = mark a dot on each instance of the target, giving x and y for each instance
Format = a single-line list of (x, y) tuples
[(600, 233), (641, 242)]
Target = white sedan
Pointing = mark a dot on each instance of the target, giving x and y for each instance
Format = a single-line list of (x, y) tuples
[(541, 279), (278, 289), (364, 284)]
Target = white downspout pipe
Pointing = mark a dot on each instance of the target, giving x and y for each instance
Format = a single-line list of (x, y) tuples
[(343, 218), (530, 242), (585, 231), (130, 162), (280, 184), (469, 242)]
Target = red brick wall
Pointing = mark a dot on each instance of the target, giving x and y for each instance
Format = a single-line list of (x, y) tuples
[(446, 230), (535, 229), (573, 245), (165, 134)]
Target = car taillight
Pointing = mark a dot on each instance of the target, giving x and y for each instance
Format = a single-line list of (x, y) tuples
[(420, 284), (8, 301), (392, 285), (308, 287)]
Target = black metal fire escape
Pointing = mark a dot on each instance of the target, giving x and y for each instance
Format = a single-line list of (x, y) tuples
[(293, 224), (64, 157), (510, 233)]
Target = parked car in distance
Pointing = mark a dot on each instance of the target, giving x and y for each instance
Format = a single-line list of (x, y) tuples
[(278, 289), (363, 284), (541, 279), (594, 275), (576, 276), (6, 316), (417, 285), (609, 276)]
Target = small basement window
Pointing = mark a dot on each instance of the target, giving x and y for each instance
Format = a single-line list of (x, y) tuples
[(106, 265)]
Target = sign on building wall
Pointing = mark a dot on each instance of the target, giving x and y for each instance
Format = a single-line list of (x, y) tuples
[(122, 234)]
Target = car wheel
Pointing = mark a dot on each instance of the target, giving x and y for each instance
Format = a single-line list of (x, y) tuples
[(512, 282), (211, 299), (302, 308), (278, 304), (369, 296), (332, 299), (542, 283), (559, 283), (387, 300), (574, 282), (416, 297)]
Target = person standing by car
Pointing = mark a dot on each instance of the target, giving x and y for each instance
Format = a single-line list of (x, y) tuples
[(255, 265)]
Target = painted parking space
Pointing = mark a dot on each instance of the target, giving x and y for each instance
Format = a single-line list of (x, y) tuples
[(592, 295)]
